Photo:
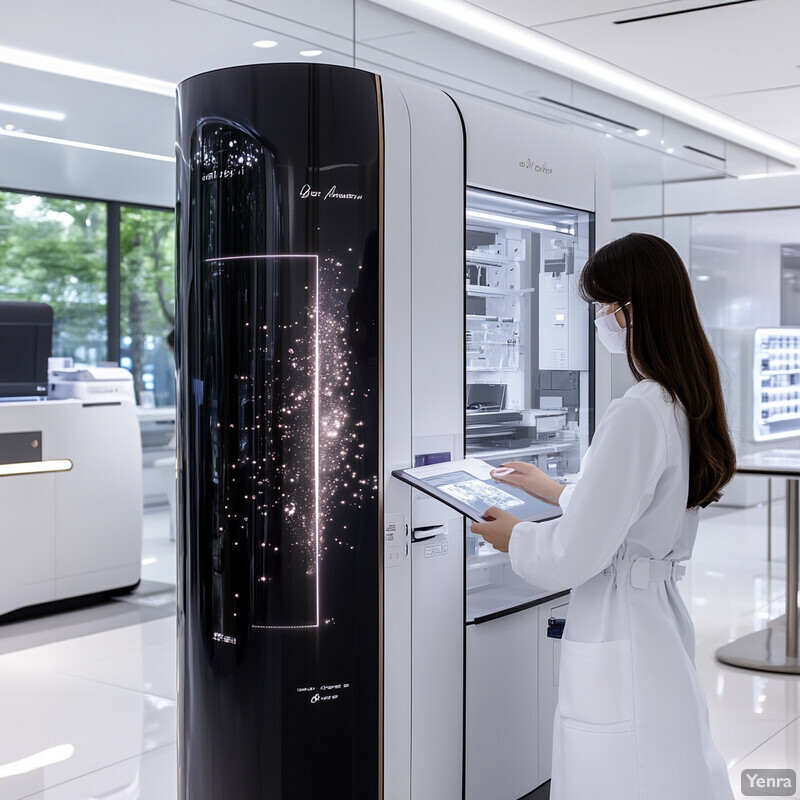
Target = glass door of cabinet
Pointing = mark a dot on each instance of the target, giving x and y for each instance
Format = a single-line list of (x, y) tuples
[(527, 358)]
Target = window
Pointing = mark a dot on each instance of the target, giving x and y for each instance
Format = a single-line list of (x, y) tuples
[(105, 269), (147, 301), (53, 250)]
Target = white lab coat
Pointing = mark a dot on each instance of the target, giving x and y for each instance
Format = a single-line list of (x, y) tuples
[(632, 721)]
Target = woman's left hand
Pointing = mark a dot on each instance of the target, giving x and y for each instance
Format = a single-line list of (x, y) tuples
[(497, 528)]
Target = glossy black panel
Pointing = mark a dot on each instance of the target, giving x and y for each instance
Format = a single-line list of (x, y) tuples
[(277, 350), (26, 337)]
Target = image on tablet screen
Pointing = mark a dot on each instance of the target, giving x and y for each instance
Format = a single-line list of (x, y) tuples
[(476, 493)]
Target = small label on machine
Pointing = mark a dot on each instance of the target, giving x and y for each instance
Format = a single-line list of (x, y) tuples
[(437, 549), (394, 540)]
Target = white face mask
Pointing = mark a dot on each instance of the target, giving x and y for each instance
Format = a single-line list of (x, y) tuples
[(611, 334)]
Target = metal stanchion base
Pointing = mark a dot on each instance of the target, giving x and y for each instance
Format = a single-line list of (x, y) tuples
[(763, 650)]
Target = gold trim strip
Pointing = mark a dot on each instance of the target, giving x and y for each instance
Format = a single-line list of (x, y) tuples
[(381, 429)]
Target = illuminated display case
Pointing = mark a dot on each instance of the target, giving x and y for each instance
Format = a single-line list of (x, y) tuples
[(527, 358), (775, 383)]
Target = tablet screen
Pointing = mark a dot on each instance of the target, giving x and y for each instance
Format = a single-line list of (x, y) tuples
[(468, 487)]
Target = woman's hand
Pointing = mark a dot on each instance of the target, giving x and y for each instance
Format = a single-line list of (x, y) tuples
[(497, 528), (531, 480)]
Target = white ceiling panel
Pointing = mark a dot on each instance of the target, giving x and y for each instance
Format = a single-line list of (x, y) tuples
[(540, 13), (631, 165), (95, 113), (748, 46), (173, 40), (741, 59), (775, 110)]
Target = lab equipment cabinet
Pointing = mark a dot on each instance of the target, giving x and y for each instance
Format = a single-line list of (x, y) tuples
[(527, 345), (512, 678), (529, 396), (71, 499)]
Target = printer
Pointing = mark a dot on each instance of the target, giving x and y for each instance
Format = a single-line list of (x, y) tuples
[(88, 383)]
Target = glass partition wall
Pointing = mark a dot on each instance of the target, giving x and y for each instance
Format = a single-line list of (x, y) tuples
[(528, 358)]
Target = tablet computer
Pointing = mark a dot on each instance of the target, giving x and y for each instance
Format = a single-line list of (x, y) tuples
[(468, 487)]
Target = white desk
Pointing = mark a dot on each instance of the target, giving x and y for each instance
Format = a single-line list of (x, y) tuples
[(774, 649)]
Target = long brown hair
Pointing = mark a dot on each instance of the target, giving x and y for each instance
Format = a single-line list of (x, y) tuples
[(667, 344)]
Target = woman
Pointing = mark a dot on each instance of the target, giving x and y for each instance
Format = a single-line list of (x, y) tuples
[(632, 722)]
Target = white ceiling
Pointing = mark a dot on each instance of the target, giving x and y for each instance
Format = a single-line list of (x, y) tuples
[(737, 58)]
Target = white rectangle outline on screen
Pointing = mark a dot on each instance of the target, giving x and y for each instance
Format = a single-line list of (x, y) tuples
[(316, 415)]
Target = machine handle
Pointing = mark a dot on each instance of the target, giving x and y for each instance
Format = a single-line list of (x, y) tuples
[(426, 532)]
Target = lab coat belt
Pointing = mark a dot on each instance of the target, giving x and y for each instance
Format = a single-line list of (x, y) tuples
[(644, 571)]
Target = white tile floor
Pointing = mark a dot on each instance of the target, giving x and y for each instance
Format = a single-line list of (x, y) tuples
[(731, 589), (93, 716)]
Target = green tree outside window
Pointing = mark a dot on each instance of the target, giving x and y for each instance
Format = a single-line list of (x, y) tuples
[(53, 251)]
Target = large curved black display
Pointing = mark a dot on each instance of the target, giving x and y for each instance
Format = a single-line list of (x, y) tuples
[(279, 179)]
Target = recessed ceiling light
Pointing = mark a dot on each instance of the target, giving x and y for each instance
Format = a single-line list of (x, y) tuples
[(789, 173), (643, 132), (89, 72), (703, 277), (59, 116), (265, 43), (522, 223), (9, 127), (310, 53), (17, 134)]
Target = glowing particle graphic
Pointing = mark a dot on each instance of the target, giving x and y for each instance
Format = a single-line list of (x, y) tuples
[(313, 504)]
